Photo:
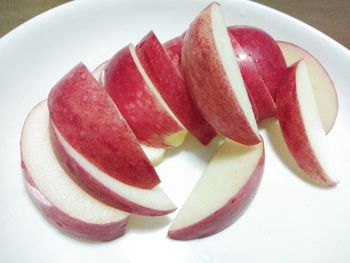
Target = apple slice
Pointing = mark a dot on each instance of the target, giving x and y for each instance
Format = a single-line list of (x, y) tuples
[(52, 190), (170, 84), (301, 124), (88, 119), (264, 52), (173, 47), (322, 84), (212, 74), (98, 150), (139, 102), (260, 96), (155, 155), (222, 193)]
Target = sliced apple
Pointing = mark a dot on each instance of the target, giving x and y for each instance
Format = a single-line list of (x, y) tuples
[(53, 191), (301, 124), (170, 84), (148, 115), (155, 155), (264, 52), (173, 47), (88, 119), (322, 84), (212, 74), (222, 193), (260, 96), (152, 202)]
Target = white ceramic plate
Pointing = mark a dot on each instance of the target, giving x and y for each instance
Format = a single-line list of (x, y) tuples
[(289, 220)]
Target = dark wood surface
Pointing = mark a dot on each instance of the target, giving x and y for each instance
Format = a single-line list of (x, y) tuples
[(329, 16)]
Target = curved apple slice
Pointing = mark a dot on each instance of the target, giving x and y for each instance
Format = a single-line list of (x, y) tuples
[(212, 74), (89, 120), (173, 48), (153, 123), (53, 191), (171, 86), (301, 124), (322, 84), (260, 96), (264, 52), (222, 193), (152, 202), (155, 155)]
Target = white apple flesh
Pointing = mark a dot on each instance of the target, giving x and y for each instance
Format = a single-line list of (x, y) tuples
[(222, 193), (53, 191), (213, 76), (322, 84), (301, 125)]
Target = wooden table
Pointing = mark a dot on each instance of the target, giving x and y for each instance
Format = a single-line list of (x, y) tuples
[(329, 16)]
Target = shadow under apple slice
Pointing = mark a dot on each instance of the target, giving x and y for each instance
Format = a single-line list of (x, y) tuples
[(192, 145), (146, 223)]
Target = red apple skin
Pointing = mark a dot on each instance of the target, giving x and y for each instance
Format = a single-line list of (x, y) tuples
[(76, 227), (92, 186), (264, 52), (173, 47), (147, 118), (209, 86), (260, 96), (227, 214), (293, 130), (90, 122), (172, 87)]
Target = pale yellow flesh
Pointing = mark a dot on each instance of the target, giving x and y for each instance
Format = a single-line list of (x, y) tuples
[(225, 175), (230, 64), (322, 85), (50, 178)]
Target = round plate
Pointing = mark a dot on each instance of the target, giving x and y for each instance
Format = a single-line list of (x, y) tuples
[(289, 220)]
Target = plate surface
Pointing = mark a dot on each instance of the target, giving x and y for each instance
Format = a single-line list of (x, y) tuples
[(289, 220)]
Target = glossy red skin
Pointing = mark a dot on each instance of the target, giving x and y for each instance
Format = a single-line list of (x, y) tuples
[(228, 213), (90, 122), (260, 96), (209, 85), (96, 189), (173, 47), (293, 130), (147, 118), (264, 52), (76, 227), (172, 87)]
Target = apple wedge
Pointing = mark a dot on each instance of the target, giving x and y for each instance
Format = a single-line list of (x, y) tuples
[(212, 74), (98, 150), (155, 155), (259, 94), (173, 48), (53, 191), (87, 118), (301, 124), (322, 84), (264, 52), (222, 193), (133, 92), (170, 84)]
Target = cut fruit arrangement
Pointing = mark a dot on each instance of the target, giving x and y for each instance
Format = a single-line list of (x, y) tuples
[(88, 150)]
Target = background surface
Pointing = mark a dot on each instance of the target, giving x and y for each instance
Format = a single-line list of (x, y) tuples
[(332, 17)]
